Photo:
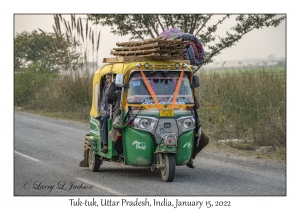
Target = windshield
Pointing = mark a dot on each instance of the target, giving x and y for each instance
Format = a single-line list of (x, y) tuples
[(163, 84)]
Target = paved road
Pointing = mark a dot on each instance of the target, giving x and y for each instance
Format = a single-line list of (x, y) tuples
[(47, 152)]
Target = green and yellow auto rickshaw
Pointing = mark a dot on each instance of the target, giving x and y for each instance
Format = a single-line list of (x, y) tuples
[(158, 121)]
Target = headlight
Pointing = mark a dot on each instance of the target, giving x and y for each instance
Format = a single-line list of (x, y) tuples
[(144, 123), (186, 123)]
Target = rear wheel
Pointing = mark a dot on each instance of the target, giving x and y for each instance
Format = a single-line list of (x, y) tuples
[(168, 171), (94, 161)]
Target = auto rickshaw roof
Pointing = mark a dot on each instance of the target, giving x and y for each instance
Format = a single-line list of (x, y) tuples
[(124, 67), (114, 68)]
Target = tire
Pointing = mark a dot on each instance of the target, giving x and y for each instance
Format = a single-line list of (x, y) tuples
[(168, 171), (94, 161)]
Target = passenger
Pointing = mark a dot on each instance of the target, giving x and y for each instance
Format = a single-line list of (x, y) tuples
[(204, 139)]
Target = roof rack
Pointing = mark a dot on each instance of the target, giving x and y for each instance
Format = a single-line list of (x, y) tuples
[(156, 49), (144, 58)]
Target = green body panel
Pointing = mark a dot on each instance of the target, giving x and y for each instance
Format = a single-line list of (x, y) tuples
[(185, 148), (138, 147), (94, 127), (95, 134)]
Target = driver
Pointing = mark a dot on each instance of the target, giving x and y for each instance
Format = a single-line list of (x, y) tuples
[(103, 118), (104, 113)]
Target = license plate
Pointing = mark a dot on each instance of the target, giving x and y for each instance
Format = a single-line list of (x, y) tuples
[(166, 113)]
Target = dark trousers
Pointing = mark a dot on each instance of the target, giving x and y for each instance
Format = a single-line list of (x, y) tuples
[(204, 139), (104, 129)]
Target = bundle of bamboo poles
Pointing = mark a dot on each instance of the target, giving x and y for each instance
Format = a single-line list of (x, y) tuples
[(157, 47)]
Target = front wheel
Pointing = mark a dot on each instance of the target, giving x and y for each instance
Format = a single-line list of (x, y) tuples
[(94, 161), (168, 169)]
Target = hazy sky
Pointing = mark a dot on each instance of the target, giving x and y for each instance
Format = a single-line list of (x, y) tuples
[(256, 44)]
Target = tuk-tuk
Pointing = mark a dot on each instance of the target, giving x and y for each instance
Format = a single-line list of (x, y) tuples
[(157, 129)]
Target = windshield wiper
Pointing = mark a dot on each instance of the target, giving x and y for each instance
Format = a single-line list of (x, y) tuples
[(171, 97)]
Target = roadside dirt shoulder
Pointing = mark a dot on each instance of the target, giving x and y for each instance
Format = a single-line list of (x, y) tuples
[(242, 160)]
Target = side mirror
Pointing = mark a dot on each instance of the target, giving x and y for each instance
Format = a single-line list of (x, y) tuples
[(196, 81), (119, 80)]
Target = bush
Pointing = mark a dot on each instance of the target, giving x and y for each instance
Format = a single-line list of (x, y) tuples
[(70, 95), (28, 83)]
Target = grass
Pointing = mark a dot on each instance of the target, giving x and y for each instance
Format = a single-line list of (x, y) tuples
[(68, 97), (279, 72), (244, 104)]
